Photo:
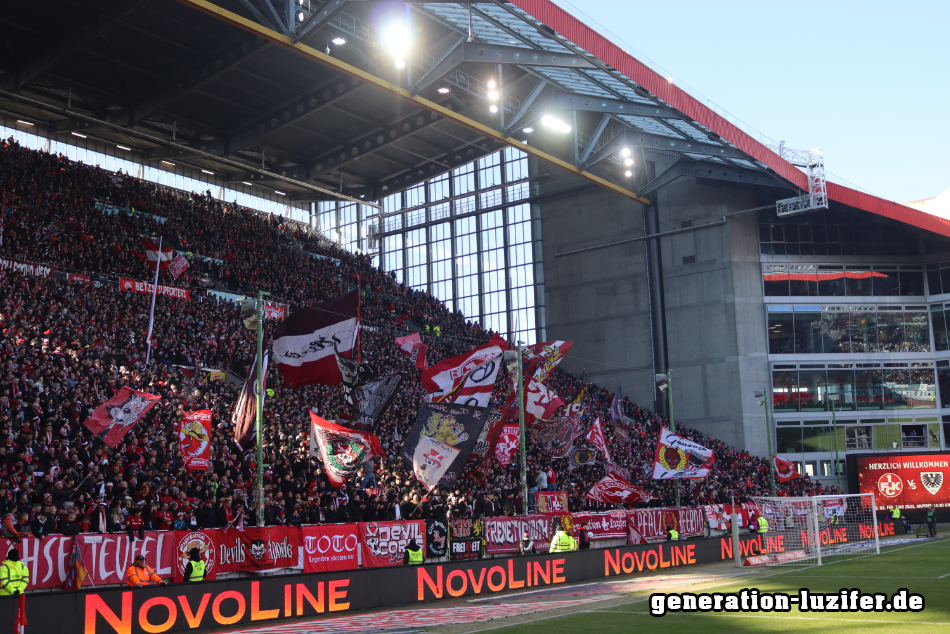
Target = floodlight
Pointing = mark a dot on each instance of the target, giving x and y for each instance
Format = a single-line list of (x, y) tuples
[(493, 108), (122, 147), (628, 173), (625, 152), (81, 136), (400, 63), (491, 84), (301, 16), (397, 41), (628, 162), (444, 89), (339, 41), (565, 128), (527, 130), (493, 95)]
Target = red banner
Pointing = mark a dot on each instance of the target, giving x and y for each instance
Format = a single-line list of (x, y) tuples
[(274, 311), (609, 525), (116, 417), (107, 557), (145, 287), (205, 543), (384, 543), (194, 437), (648, 525), (551, 502), (27, 268), (330, 548), (503, 534), (75, 277), (256, 549), (907, 481)]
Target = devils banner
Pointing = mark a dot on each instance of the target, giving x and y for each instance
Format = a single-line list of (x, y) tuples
[(384, 543)]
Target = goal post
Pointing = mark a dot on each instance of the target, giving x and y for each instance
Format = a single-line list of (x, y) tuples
[(810, 529)]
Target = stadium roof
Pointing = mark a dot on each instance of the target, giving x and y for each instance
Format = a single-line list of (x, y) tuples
[(259, 91)]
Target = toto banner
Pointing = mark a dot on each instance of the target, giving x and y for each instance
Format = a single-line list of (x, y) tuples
[(503, 534), (384, 543), (609, 525), (907, 481), (330, 548)]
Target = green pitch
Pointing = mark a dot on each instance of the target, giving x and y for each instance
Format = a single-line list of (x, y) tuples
[(922, 568)]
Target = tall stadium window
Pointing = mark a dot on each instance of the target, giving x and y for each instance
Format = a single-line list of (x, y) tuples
[(890, 331), (896, 388), (835, 331), (916, 331), (869, 389), (943, 383), (812, 389), (781, 333), (939, 325), (785, 391), (789, 440), (841, 388), (808, 338)]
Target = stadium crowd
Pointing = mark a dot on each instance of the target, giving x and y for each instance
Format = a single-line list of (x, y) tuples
[(68, 345)]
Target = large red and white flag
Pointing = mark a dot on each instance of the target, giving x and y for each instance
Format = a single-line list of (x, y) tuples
[(678, 457), (596, 437), (118, 415), (541, 358), (540, 401), (413, 346), (194, 440), (342, 449), (615, 490), (304, 342), (476, 387), (784, 470), (178, 265), (508, 443), (447, 376), (155, 253)]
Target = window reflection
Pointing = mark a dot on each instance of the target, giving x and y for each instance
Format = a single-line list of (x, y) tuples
[(785, 391)]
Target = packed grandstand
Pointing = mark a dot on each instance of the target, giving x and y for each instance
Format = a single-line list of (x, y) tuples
[(72, 338)]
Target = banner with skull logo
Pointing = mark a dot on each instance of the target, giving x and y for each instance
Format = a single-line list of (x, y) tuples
[(117, 416)]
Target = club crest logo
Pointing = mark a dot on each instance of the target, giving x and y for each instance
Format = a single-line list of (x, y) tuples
[(445, 428), (672, 458), (932, 481), (890, 485), (205, 547)]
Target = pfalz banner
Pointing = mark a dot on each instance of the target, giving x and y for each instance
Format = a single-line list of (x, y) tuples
[(330, 548), (906, 480), (649, 525), (503, 534)]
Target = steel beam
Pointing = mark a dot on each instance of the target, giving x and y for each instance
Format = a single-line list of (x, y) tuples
[(294, 111), (370, 143), (606, 105), (449, 60), (82, 35), (319, 18), (636, 138), (197, 76), (247, 4), (501, 54), (594, 138), (699, 169), (534, 98)]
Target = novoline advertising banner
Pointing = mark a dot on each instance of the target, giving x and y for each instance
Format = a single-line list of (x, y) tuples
[(228, 603), (904, 480)]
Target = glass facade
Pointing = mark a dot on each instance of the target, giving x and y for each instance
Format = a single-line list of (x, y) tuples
[(466, 237), (818, 329)]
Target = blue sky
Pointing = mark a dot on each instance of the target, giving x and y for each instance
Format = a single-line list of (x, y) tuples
[(867, 82)]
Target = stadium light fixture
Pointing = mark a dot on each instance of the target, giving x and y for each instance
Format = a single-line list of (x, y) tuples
[(208, 172), (759, 397), (625, 152), (527, 130), (397, 40), (25, 122), (493, 108), (628, 162), (628, 173), (81, 136), (301, 16), (400, 63), (246, 183), (493, 95), (555, 123), (168, 163), (491, 84), (339, 41), (444, 90), (280, 193), (122, 147)]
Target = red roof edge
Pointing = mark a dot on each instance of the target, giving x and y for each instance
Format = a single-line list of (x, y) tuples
[(571, 28)]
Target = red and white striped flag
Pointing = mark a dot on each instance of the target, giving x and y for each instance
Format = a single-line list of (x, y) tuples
[(157, 253), (413, 346)]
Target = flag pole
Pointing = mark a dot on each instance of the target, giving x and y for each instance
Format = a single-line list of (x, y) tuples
[(524, 467), (669, 393), (260, 408), (151, 316)]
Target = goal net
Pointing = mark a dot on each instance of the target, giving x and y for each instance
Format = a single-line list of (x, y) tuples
[(806, 529)]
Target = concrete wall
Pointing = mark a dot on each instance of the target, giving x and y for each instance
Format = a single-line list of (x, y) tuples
[(714, 313)]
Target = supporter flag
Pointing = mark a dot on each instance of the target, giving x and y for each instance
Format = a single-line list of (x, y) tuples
[(616, 405), (596, 437), (194, 438), (305, 342), (343, 450), (157, 253), (447, 376), (479, 461), (540, 402), (678, 457), (76, 572), (354, 375), (476, 387), (442, 440), (581, 456), (413, 346), (615, 490), (611, 468), (574, 402), (244, 417), (784, 470), (373, 399), (541, 358), (508, 443), (178, 265), (118, 415), (21, 623), (556, 437), (52, 229)]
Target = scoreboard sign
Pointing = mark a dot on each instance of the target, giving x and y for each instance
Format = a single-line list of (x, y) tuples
[(907, 481)]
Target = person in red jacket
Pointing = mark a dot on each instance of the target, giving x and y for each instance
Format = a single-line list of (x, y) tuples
[(135, 524)]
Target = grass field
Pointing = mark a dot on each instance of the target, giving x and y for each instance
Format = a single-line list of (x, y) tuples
[(922, 568)]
